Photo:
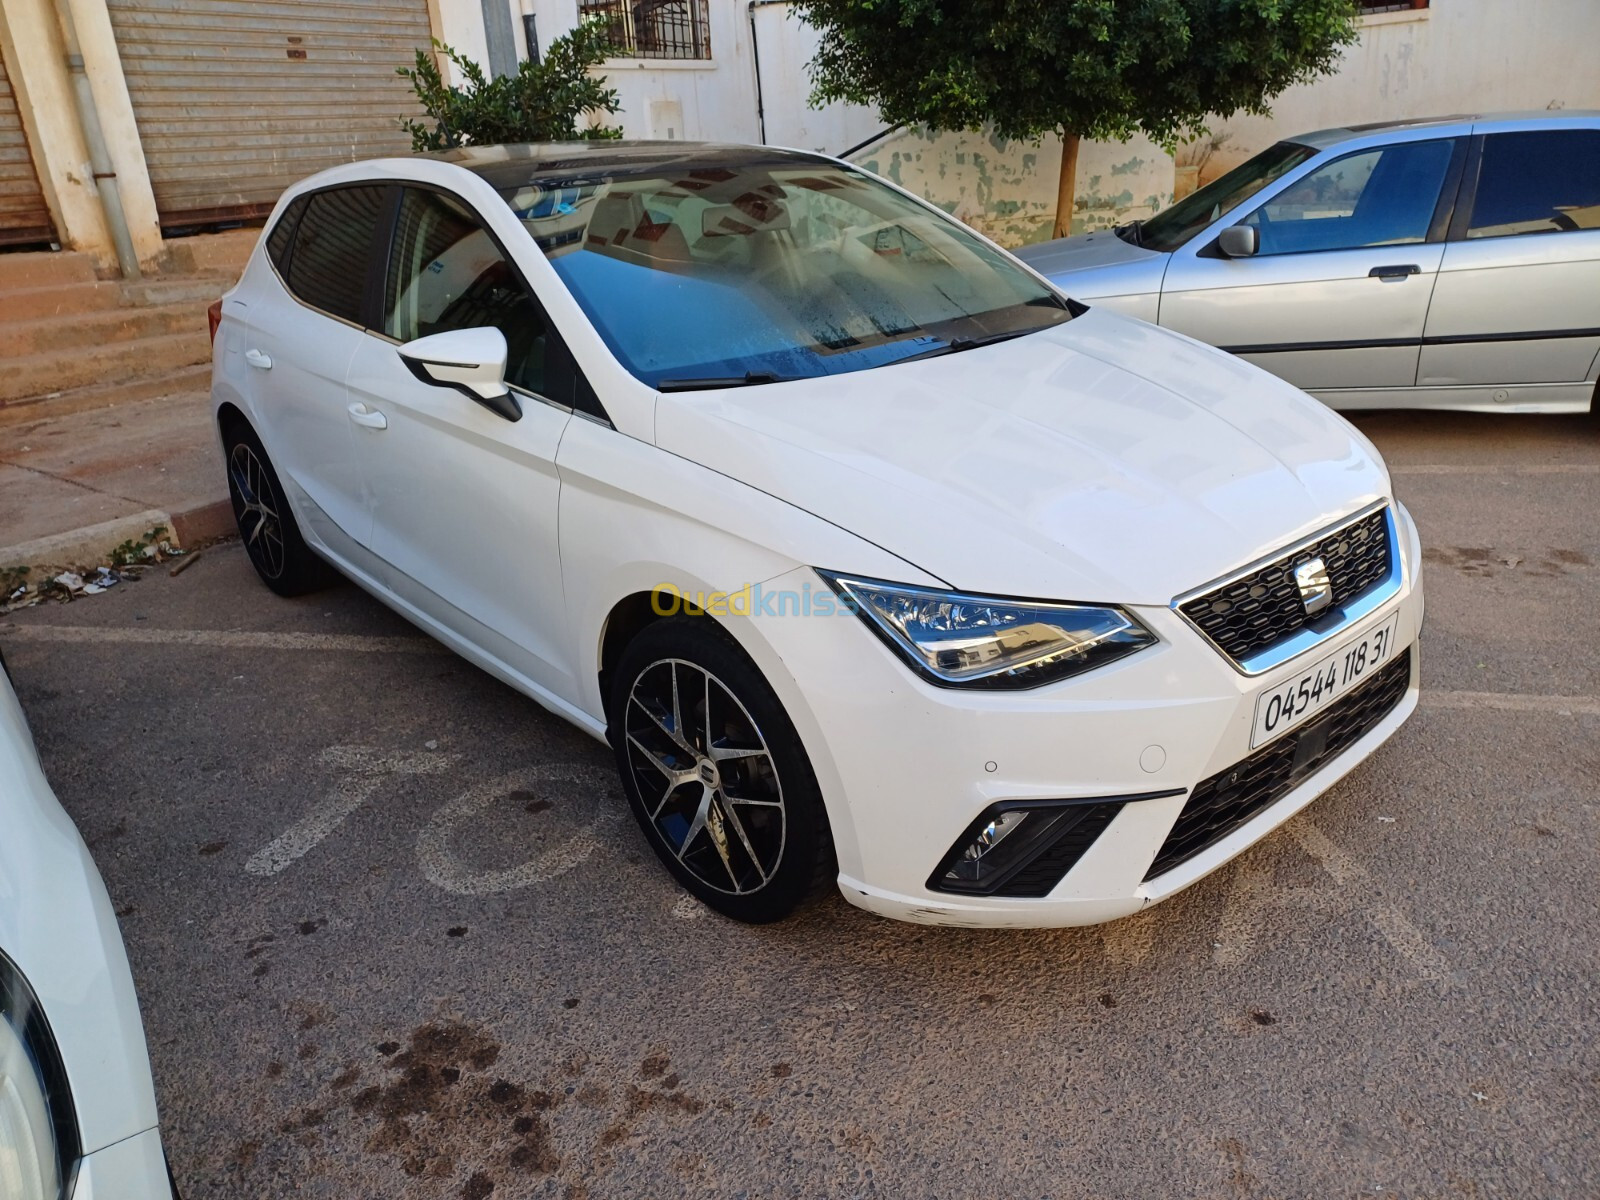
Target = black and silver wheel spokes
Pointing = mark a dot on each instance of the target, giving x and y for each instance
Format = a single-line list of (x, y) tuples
[(255, 506), (707, 780)]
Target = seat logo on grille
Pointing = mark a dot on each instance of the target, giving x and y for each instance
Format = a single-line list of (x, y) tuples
[(1316, 589)]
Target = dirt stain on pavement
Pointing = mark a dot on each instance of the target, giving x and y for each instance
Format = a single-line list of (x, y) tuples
[(440, 1106)]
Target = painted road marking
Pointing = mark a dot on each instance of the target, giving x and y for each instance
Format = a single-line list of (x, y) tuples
[(219, 639), (1252, 891), (1497, 469), (1563, 706), (223, 639), (366, 770), (435, 844), (1344, 870)]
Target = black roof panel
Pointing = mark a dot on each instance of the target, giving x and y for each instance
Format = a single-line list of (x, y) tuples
[(512, 166)]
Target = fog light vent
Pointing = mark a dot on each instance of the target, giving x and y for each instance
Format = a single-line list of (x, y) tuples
[(1025, 847)]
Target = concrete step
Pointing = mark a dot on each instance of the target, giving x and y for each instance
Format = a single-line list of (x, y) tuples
[(30, 409), (181, 289), (67, 300), (45, 378), (221, 253), (44, 268), (61, 300), (94, 329)]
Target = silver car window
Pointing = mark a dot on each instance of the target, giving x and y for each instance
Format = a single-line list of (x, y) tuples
[(1384, 196), (1538, 182)]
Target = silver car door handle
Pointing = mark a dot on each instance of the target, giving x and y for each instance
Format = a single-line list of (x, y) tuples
[(1399, 272), (257, 359), (371, 418)]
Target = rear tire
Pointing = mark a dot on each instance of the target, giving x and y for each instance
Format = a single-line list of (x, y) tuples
[(266, 525), (716, 774)]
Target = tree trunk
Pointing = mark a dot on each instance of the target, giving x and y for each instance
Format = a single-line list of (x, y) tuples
[(1067, 187)]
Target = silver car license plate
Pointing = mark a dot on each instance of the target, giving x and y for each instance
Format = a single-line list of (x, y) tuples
[(1298, 699)]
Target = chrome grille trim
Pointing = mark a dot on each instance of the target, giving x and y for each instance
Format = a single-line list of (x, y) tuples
[(1318, 629)]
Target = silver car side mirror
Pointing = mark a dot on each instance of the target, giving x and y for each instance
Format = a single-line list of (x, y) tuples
[(472, 361), (1239, 241)]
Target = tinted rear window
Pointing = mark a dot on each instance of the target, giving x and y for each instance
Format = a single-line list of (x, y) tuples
[(333, 247), (283, 233), (1545, 182)]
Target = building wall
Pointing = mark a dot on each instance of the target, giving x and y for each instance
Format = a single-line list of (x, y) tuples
[(1458, 56), (1007, 190), (710, 99)]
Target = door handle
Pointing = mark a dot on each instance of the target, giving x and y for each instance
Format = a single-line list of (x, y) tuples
[(1399, 272), (369, 418), (257, 359)]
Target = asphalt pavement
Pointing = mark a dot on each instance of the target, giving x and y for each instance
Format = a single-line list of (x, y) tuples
[(395, 934)]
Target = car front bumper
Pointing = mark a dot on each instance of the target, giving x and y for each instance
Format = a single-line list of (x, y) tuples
[(907, 767), (132, 1169)]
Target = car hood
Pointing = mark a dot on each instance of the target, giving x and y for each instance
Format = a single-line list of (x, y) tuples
[(1085, 252), (1102, 460)]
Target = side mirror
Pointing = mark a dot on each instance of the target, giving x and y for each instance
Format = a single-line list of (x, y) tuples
[(472, 361), (1239, 241)]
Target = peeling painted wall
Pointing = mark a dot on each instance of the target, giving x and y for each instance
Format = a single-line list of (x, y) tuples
[(1008, 189)]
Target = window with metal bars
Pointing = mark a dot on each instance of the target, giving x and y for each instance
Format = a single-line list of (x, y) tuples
[(1385, 6), (653, 28)]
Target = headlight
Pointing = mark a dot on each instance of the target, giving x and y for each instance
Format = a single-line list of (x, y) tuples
[(38, 1136), (957, 640)]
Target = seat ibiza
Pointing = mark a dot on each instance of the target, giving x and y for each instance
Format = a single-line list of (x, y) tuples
[(871, 555)]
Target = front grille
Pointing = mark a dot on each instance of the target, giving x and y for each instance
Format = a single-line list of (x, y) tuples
[(1221, 804), (1263, 608)]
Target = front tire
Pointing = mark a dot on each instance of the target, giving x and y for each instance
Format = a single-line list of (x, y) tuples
[(266, 526), (715, 773)]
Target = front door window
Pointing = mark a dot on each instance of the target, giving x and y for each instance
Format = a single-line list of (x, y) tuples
[(448, 273), (1380, 197)]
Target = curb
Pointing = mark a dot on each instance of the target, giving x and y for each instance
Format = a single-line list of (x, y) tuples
[(92, 544)]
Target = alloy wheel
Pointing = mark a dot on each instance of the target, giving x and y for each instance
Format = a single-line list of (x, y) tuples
[(256, 507), (705, 775)]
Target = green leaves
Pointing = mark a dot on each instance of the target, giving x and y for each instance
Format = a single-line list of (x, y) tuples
[(542, 102), (1097, 68)]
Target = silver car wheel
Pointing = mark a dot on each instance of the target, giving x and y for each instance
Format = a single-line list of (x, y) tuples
[(706, 776), (255, 507)]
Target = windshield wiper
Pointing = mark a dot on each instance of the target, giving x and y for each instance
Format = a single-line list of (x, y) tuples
[(1130, 232), (748, 379), (958, 344)]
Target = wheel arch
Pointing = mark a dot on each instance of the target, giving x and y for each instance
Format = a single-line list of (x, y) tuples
[(634, 612), (627, 619)]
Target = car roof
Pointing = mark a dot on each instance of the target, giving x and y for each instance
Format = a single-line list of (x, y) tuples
[(517, 165), (1481, 122)]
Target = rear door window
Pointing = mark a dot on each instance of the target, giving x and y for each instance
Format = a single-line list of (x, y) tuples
[(1539, 182), (333, 245)]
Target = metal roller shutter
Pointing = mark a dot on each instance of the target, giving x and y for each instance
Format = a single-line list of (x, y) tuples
[(24, 217), (237, 99)]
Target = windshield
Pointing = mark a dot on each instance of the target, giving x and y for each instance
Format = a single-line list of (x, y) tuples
[(1172, 227), (771, 270)]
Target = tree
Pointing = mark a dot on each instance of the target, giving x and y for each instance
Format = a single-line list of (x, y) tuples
[(1098, 69), (542, 102)]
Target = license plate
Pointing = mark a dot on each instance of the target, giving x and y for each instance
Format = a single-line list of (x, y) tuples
[(1296, 700)]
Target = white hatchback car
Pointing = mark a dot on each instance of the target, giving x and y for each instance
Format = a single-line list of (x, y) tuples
[(77, 1106), (870, 554)]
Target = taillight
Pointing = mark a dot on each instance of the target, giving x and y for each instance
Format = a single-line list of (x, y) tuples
[(214, 315)]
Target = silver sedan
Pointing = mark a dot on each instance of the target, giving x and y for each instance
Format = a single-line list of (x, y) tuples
[(1450, 263)]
